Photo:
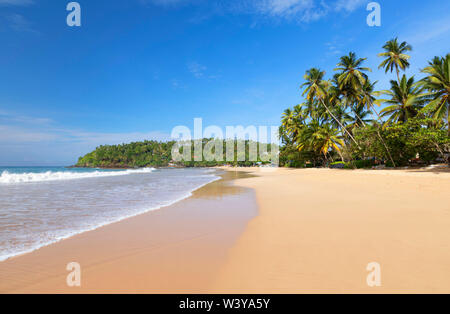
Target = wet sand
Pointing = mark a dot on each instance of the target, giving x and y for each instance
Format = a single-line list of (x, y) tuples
[(177, 249)]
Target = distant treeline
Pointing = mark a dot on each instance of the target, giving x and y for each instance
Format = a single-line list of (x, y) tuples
[(159, 154)]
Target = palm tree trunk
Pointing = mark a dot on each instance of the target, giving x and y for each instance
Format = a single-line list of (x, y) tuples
[(339, 122), (379, 134), (381, 138), (340, 155), (359, 118)]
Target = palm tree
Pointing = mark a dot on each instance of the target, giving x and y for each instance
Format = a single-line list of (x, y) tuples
[(396, 56), (406, 99), (342, 115), (328, 138), (316, 86), (287, 119), (367, 99), (317, 90), (438, 84), (366, 95), (351, 72), (362, 116), (353, 85), (299, 114), (320, 138)]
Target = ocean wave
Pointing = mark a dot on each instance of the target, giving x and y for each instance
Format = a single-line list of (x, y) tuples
[(54, 236), (12, 178)]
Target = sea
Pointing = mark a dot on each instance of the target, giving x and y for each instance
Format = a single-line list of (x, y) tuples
[(43, 205)]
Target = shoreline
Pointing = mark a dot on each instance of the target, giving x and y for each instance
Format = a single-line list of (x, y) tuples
[(73, 234), (265, 230), (168, 225)]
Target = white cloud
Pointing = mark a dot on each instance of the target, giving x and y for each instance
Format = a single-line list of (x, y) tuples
[(164, 2), (197, 69), (19, 23), (16, 2), (299, 10), (306, 10), (349, 5), (40, 140), (26, 135), (13, 134), (9, 117), (432, 30)]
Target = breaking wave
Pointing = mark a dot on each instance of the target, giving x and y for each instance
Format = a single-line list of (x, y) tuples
[(11, 178)]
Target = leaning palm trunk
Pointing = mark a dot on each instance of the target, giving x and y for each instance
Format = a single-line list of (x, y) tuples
[(381, 138), (360, 120), (339, 122), (340, 155)]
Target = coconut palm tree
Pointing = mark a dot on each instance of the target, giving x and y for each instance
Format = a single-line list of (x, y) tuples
[(317, 90), (395, 56), (287, 119), (342, 115), (438, 84), (320, 138), (351, 72), (361, 116), (328, 138), (353, 84), (299, 118), (299, 114), (366, 95), (315, 85), (367, 99), (406, 100), (287, 125)]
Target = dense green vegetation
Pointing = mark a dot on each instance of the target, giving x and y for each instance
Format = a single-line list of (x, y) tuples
[(339, 125), (343, 122), (139, 154), (158, 154)]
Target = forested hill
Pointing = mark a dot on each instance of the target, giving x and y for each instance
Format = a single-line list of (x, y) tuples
[(139, 154), (146, 154)]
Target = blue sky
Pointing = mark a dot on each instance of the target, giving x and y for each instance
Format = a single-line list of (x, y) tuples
[(137, 68)]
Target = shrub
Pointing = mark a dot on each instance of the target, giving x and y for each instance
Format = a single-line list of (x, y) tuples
[(363, 164), (340, 165), (404, 141)]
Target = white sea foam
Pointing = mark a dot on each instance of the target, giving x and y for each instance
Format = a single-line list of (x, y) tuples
[(12, 178), (75, 215)]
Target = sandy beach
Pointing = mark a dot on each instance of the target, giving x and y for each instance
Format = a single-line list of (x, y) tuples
[(318, 229), (265, 231)]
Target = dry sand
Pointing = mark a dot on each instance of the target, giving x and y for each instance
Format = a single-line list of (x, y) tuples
[(316, 231)]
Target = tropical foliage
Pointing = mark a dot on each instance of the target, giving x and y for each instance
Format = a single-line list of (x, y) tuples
[(159, 154), (438, 84), (405, 100), (342, 122), (395, 56), (345, 122)]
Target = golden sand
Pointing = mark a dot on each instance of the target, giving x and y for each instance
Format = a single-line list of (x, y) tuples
[(318, 230), (315, 231)]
